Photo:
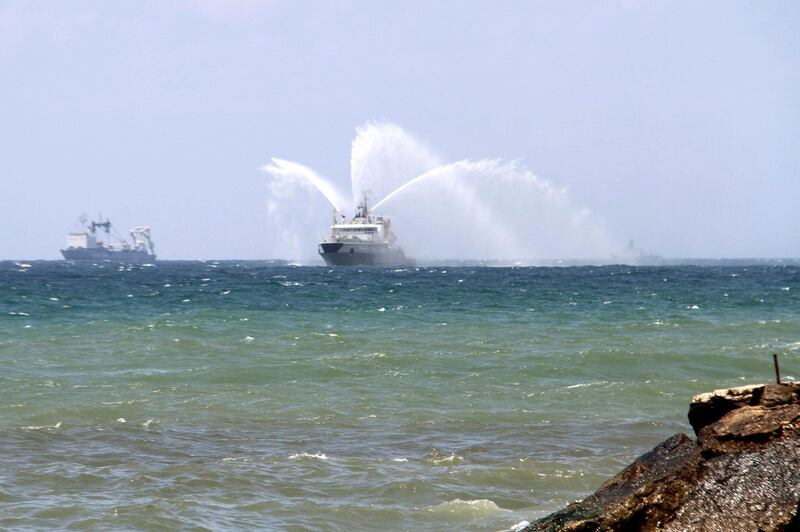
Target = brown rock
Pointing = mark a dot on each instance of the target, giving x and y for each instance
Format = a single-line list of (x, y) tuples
[(742, 473)]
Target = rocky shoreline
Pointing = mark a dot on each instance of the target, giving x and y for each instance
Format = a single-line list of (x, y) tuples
[(741, 473)]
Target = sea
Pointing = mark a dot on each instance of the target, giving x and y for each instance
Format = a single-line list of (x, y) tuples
[(259, 395)]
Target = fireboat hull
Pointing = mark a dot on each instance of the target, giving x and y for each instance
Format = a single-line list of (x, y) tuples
[(362, 254)]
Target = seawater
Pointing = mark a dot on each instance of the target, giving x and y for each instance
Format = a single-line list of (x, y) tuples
[(228, 395)]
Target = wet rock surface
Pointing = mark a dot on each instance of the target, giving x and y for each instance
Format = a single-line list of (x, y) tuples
[(742, 472)]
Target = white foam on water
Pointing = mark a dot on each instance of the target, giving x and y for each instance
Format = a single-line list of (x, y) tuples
[(582, 385), (518, 527), (400, 460), (44, 427), (248, 339), (587, 384), (468, 508), (452, 459), (301, 456)]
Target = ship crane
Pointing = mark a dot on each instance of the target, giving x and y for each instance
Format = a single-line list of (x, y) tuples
[(105, 225), (141, 238)]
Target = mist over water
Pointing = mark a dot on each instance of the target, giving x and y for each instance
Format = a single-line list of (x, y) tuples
[(298, 201), (384, 157), (487, 209)]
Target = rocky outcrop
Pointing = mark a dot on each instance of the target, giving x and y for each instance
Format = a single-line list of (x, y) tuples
[(742, 472)]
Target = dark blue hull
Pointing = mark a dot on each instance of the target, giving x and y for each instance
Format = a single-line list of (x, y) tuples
[(362, 254), (104, 254)]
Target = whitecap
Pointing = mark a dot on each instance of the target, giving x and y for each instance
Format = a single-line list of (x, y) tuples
[(44, 427), (121, 420), (382, 309), (299, 456), (452, 459), (581, 385), (248, 339), (470, 508), (400, 460)]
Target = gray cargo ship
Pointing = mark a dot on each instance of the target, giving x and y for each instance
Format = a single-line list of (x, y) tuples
[(84, 245), (365, 240)]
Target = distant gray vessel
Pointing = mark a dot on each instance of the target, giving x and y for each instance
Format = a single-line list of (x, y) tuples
[(84, 245), (365, 240)]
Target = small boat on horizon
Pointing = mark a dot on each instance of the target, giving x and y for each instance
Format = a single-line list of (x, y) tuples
[(84, 245)]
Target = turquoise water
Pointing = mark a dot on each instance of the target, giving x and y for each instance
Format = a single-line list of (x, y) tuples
[(248, 395)]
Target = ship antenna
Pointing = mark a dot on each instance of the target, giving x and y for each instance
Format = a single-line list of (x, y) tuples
[(363, 209)]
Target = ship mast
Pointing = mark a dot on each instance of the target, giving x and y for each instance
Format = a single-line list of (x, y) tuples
[(362, 211)]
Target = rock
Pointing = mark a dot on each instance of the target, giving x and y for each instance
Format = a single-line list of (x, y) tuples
[(742, 472)]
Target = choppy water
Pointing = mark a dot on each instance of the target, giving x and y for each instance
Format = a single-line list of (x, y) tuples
[(245, 395)]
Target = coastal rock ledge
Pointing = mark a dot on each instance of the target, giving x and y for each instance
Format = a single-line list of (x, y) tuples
[(742, 472)]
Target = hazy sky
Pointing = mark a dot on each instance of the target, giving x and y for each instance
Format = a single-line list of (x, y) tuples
[(676, 123)]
